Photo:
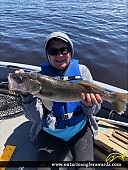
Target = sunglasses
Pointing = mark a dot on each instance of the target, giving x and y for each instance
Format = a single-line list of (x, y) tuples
[(56, 51)]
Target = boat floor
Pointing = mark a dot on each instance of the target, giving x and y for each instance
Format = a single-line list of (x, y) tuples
[(16, 132)]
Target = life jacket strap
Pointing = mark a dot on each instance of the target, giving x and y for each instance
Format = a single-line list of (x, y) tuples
[(68, 116), (69, 78)]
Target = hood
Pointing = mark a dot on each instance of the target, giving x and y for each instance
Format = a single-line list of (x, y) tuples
[(61, 36)]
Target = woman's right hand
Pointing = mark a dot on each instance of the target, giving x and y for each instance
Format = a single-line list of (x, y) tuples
[(21, 71)]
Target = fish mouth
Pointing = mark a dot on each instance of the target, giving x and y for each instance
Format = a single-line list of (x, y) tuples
[(13, 85)]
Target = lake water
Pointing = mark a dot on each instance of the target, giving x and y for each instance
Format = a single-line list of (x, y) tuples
[(98, 29)]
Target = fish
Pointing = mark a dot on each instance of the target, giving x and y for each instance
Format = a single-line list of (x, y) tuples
[(114, 155), (50, 89)]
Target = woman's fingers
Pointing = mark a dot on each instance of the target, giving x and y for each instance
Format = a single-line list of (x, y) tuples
[(90, 99), (19, 71)]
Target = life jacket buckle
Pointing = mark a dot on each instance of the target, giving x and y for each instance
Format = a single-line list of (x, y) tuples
[(65, 117)]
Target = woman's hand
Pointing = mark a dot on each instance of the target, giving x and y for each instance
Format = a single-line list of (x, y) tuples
[(91, 99), (19, 71)]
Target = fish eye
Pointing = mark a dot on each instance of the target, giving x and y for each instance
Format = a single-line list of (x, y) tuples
[(19, 80)]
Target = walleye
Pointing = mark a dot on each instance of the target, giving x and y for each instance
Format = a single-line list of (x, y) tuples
[(50, 89)]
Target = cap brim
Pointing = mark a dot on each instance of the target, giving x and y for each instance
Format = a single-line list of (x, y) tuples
[(62, 38)]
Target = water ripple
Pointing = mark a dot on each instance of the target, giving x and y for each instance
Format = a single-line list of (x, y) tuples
[(98, 29)]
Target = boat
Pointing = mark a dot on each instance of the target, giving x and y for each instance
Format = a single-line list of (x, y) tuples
[(112, 136)]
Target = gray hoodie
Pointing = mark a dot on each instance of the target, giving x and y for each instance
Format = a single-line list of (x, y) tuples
[(61, 36)]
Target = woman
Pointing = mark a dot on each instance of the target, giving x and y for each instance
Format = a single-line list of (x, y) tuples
[(66, 125)]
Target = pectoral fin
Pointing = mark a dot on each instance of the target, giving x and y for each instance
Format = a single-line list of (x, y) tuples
[(48, 104)]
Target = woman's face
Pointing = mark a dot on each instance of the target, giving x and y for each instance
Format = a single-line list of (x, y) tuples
[(59, 54)]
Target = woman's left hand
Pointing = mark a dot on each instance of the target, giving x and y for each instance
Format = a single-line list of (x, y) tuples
[(91, 99)]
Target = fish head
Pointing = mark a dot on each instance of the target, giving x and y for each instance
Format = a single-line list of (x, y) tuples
[(24, 82)]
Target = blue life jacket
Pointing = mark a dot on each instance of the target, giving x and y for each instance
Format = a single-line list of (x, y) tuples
[(60, 109)]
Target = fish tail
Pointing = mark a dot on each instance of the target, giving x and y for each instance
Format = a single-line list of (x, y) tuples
[(119, 102)]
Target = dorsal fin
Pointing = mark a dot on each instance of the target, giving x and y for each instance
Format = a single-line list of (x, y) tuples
[(86, 83)]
